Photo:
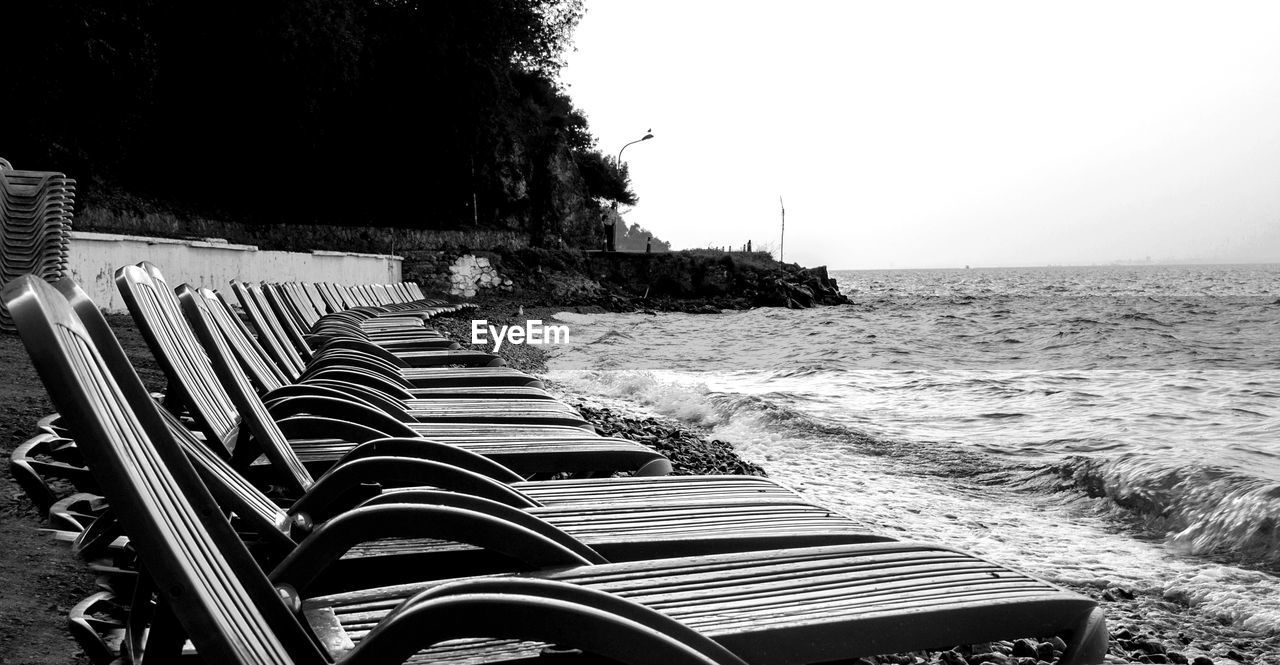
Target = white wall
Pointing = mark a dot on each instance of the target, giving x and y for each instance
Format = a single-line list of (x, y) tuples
[(94, 258)]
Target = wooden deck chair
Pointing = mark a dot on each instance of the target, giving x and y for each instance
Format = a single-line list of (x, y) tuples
[(617, 529), (455, 410), (295, 350), (787, 606), (208, 317), (322, 439), (407, 358), (388, 377), (655, 488), (226, 606), (283, 358)]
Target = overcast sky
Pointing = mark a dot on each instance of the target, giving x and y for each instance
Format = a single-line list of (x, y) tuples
[(939, 134)]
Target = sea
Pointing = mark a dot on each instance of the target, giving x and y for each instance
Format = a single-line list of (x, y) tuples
[(1100, 426)]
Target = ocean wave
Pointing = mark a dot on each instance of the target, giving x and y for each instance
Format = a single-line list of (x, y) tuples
[(1200, 510), (1027, 512), (771, 415)]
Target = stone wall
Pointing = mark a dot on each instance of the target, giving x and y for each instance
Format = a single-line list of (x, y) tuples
[(471, 274)]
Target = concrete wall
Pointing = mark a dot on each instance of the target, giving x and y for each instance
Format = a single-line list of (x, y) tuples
[(94, 258)]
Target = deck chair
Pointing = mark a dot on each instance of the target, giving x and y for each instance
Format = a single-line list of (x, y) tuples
[(271, 351), (290, 349), (617, 530), (301, 299), (305, 306), (322, 439), (781, 607), (218, 596), (205, 311), (561, 492)]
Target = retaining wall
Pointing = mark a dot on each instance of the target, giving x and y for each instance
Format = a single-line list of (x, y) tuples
[(94, 258)]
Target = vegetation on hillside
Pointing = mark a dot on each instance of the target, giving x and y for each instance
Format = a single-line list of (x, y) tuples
[(400, 113)]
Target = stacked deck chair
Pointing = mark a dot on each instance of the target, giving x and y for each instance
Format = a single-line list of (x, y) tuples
[(211, 596), (312, 421), (36, 208)]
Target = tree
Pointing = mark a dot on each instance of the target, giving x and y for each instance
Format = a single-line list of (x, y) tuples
[(395, 112)]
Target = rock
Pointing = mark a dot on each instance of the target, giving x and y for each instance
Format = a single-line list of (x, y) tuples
[(993, 657), (1024, 649), (952, 658), (1156, 659), (1044, 651), (1058, 643), (1236, 655), (1175, 657), (1121, 592), (1202, 660), (1147, 646)]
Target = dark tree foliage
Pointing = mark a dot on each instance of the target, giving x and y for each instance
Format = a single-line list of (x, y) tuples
[(391, 112)]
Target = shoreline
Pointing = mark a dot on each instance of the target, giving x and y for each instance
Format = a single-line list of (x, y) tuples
[(1144, 628)]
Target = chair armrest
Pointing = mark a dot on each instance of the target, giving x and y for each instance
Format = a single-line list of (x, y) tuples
[(337, 536), (339, 409), (366, 396), (325, 498), (541, 611), (434, 451), (502, 511), (317, 427)]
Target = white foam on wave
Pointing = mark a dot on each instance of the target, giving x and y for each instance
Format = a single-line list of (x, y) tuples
[(1067, 538), (1203, 510)]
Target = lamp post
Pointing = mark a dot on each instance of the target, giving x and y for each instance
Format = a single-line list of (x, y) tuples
[(648, 135)]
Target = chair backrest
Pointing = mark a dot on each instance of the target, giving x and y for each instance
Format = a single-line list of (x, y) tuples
[(252, 343), (271, 333), (306, 310), (203, 572), (330, 299), (294, 325), (344, 293), (231, 378), (179, 354), (317, 299), (228, 486), (264, 373)]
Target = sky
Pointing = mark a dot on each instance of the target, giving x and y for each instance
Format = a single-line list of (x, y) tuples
[(914, 134)]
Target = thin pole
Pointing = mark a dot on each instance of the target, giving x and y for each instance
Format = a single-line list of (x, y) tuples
[(782, 243)]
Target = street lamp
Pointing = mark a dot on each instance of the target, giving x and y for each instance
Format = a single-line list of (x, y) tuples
[(646, 137)]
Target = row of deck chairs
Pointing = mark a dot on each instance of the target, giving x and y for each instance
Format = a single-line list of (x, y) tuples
[(326, 479), (35, 222)]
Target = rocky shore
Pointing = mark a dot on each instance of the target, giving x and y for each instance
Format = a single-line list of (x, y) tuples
[(693, 281)]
